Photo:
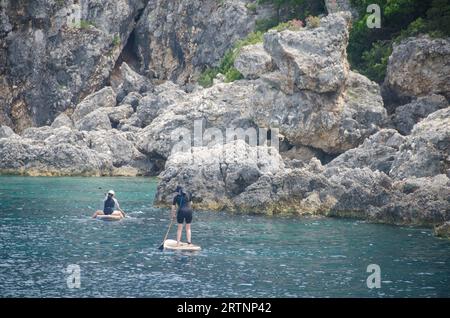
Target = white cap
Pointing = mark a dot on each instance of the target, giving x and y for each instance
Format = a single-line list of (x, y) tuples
[(111, 192)]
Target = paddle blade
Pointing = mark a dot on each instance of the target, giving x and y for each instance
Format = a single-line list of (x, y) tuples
[(161, 247)]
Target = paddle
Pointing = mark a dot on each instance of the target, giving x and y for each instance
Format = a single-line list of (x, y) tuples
[(161, 247)]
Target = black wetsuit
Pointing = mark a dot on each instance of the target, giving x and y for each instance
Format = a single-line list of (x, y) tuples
[(109, 206), (184, 208)]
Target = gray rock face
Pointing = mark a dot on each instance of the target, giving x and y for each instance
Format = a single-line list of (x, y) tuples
[(177, 39), (96, 120), (132, 99), (419, 201), (119, 113), (290, 191), (154, 103), (378, 152), (130, 81), (218, 173), (373, 196), (312, 59), (65, 151), (313, 99), (119, 146), (299, 154), (426, 152), (26, 156), (40, 133), (333, 123), (408, 115), (314, 190), (49, 63), (253, 61), (347, 192), (334, 6), (6, 132), (130, 124), (405, 79), (223, 106), (363, 112), (62, 120), (105, 97), (443, 230), (298, 90)]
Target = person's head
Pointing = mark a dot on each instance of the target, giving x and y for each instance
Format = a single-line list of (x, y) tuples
[(111, 193), (179, 189)]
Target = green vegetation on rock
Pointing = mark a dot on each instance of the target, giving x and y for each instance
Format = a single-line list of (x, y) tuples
[(226, 66), (84, 24), (252, 7), (312, 22), (298, 10), (116, 40), (369, 49), (60, 3)]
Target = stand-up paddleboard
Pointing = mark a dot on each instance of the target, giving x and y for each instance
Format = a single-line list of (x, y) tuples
[(172, 245), (109, 217)]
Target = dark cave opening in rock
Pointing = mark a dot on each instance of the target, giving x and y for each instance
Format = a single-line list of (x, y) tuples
[(128, 54)]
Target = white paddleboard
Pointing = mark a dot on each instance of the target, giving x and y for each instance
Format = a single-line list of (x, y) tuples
[(109, 217), (172, 245)]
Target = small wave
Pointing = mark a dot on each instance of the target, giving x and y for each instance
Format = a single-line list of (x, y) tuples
[(136, 212)]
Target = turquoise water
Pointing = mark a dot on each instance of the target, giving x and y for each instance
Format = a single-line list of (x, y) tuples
[(45, 226)]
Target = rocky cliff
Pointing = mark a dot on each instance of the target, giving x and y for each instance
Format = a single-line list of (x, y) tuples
[(178, 39), (418, 67), (53, 53), (301, 133), (300, 84)]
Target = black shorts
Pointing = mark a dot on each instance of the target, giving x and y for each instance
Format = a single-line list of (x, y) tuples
[(184, 215)]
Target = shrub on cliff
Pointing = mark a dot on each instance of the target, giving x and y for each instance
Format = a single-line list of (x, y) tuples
[(369, 49), (312, 22), (290, 14), (226, 66)]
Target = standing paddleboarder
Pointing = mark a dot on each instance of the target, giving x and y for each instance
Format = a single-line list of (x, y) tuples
[(181, 208)]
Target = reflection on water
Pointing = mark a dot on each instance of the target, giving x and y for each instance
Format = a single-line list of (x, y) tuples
[(45, 225)]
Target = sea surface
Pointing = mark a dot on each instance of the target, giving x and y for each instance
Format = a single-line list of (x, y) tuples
[(51, 247)]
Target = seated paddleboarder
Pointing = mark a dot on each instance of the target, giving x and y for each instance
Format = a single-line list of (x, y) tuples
[(110, 206), (184, 213)]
